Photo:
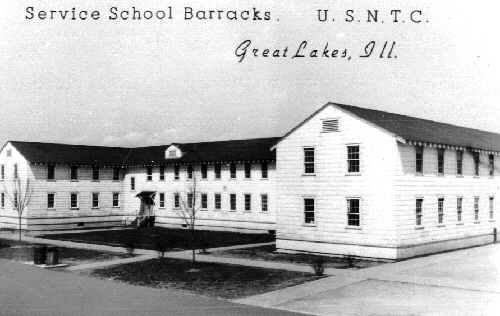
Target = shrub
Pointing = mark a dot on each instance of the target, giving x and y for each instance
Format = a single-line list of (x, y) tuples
[(319, 266)]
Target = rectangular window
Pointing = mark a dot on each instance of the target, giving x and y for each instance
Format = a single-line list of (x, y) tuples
[(161, 197), (248, 202), (74, 173), (418, 212), (116, 199), (476, 208), (2, 200), (51, 172), (264, 202), (232, 202), (232, 170), (353, 212), (440, 159), (491, 165), (204, 171), (353, 159), (15, 204), (419, 159), (459, 208), (217, 170), (190, 200), (440, 210), (132, 183), (309, 160), (204, 201), (50, 200), (189, 171), (177, 200), (162, 173), (74, 200), (492, 207), (248, 170), (95, 200), (95, 173), (16, 174), (2, 172), (217, 201), (116, 174), (460, 162), (309, 211), (264, 170), (149, 173), (176, 172), (476, 163)]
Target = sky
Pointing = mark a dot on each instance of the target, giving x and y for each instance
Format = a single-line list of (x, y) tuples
[(139, 83)]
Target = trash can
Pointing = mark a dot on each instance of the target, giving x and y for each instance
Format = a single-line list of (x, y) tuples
[(52, 256), (40, 255)]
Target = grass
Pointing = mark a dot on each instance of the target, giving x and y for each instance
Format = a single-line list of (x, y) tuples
[(148, 238), (268, 253), (23, 251), (212, 279)]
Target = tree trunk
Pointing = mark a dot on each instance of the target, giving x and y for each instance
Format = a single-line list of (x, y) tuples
[(19, 227), (193, 248)]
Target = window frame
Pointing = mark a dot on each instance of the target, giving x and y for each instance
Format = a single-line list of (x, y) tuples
[(53, 194), (419, 159), (440, 161), (132, 183), (177, 200), (247, 202), (459, 162), (351, 213), (233, 202), (149, 173), (491, 165), (217, 201), (177, 172), (204, 201), (477, 161), (264, 170), (419, 212), (309, 162), (2, 172), (305, 211), (2, 200), (161, 200), (77, 202), (51, 172), (440, 210), (161, 171), (491, 207), (92, 200), (233, 171), (476, 208), (460, 208), (264, 203), (217, 171), (117, 199), (351, 162)]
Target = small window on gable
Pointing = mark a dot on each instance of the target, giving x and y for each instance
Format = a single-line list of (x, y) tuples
[(9, 152), (172, 153), (330, 125)]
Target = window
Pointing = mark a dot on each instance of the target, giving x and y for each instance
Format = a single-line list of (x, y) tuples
[(232, 202), (440, 210), (330, 125), (2, 172), (204, 171), (491, 165), (2, 200), (248, 202), (162, 173), (161, 197), (476, 208), (419, 159), (459, 208), (177, 200), (204, 201), (116, 174), (264, 170), (116, 199), (353, 212), (50, 200), (51, 172), (95, 173), (492, 207), (149, 173), (217, 201), (418, 212), (132, 183), (309, 211), (74, 200), (309, 160), (190, 200), (232, 170), (16, 174), (476, 163), (217, 170), (9, 152), (95, 200), (460, 162), (15, 202), (74, 173), (190, 171), (248, 170), (440, 158), (176, 172), (264, 203), (353, 159)]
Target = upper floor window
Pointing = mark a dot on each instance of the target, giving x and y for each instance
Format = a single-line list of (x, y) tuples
[(74, 173), (51, 172), (116, 174), (309, 160), (264, 202), (491, 165), (149, 173), (9, 152), (176, 172), (460, 159), (116, 199), (264, 170), (16, 173), (217, 170), (309, 211), (132, 183), (440, 159), (232, 202), (95, 173), (2, 200), (2, 172), (232, 170), (476, 208), (440, 210), (161, 197), (418, 211), (50, 200), (248, 170), (162, 173), (419, 159), (204, 171), (353, 158), (95, 200), (248, 202), (353, 212), (204, 201), (459, 208), (492, 207), (476, 163), (189, 171)]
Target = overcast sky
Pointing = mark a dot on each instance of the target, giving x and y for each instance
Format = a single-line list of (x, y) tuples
[(140, 83)]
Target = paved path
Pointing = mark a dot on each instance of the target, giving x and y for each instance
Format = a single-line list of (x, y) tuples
[(464, 282)]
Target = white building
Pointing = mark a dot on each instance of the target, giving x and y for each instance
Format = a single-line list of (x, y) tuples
[(347, 180)]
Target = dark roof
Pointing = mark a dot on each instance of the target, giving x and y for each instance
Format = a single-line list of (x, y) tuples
[(220, 151), (422, 130)]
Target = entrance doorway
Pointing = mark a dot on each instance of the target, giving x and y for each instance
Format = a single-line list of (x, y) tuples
[(146, 215)]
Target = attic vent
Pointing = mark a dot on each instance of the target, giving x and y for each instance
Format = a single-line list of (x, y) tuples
[(330, 125)]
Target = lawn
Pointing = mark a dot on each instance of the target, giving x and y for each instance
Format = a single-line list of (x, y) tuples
[(212, 279), (268, 253), (23, 252), (148, 238)]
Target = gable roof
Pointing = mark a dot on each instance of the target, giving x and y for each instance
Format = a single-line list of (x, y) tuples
[(258, 149)]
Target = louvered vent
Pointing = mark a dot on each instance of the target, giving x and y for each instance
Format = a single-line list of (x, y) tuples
[(330, 125)]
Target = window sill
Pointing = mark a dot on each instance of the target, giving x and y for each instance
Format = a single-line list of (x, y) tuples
[(74, 180), (116, 180), (477, 222), (115, 206), (95, 181), (161, 207), (492, 220), (460, 175), (441, 226), (74, 208), (309, 225), (264, 178), (309, 174), (353, 174), (51, 180), (419, 174), (460, 224), (232, 211), (476, 177), (440, 174), (203, 209), (353, 227), (49, 208), (419, 227), (95, 208)]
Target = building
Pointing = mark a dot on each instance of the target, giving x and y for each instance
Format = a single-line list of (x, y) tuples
[(346, 181)]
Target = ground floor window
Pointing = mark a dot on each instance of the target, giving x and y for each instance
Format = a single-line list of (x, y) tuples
[(264, 203), (353, 212), (248, 202), (2, 200), (190, 201), (161, 198), (217, 201), (309, 211), (177, 200), (418, 212), (116, 199), (50, 200), (232, 202), (74, 200), (440, 210), (492, 207), (476, 208), (95, 200), (459, 208), (204, 201)]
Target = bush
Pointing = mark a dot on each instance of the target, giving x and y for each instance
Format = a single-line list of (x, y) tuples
[(319, 266)]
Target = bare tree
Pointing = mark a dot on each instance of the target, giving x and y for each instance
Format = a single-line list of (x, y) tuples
[(19, 193), (187, 212)]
